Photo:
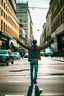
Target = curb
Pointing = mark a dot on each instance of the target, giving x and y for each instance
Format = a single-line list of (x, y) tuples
[(58, 58)]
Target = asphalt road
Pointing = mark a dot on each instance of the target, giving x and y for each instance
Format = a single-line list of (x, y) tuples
[(15, 79)]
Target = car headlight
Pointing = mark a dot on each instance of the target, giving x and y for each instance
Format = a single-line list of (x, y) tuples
[(7, 55)]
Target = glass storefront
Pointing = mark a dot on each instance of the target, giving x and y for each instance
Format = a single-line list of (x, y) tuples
[(60, 38)]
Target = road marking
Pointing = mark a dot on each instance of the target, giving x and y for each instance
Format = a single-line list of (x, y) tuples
[(52, 94), (50, 76), (4, 68), (14, 95), (14, 81), (7, 68)]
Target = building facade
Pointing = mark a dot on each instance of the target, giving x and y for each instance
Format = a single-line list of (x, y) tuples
[(23, 14), (42, 38), (57, 24), (9, 24), (48, 25)]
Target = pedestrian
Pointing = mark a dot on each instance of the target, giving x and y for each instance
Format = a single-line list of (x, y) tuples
[(22, 53), (34, 56)]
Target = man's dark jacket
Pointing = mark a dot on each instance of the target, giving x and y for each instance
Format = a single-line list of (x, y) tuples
[(38, 48)]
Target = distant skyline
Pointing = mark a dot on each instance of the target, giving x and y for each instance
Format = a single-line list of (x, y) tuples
[(38, 15)]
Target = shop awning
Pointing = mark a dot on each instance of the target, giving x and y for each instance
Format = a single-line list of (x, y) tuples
[(5, 34), (15, 44)]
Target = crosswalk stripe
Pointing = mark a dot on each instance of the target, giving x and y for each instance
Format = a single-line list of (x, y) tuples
[(14, 95), (51, 94)]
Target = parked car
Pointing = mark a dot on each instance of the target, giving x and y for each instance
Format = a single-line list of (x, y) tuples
[(41, 53), (16, 55), (49, 52), (26, 55), (6, 56)]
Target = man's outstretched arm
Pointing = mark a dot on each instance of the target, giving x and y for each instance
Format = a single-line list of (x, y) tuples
[(46, 44), (23, 45)]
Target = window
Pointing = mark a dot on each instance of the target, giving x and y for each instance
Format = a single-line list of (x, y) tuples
[(4, 5), (2, 2), (1, 24), (6, 8), (4, 14), (20, 20), (4, 27), (61, 16), (1, 12), (6, 17)]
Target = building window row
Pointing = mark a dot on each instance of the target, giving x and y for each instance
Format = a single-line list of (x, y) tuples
[(21, 11), (58, 21), (10, 20), (57, 7), (3, 14), (6, 6), (23, 20), (3, 26), (61, 14), (3, 4)]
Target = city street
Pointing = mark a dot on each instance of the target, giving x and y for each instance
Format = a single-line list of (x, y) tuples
[(30, 29), (15, 78)]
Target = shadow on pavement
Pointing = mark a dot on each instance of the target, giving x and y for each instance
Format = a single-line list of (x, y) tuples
[(19, 70), (30, 89), (37, 92)]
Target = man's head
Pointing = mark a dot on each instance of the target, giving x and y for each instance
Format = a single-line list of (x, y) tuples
[(34, 41)]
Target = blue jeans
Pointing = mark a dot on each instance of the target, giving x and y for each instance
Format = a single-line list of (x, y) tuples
[(33, 70)]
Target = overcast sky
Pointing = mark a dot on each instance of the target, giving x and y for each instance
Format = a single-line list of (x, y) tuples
[(38, 15)]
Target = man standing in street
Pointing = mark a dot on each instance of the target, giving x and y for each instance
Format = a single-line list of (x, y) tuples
[(34, 56)]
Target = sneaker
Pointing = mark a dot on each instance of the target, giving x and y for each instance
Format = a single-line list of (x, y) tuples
[(35, 82), (40, 91)]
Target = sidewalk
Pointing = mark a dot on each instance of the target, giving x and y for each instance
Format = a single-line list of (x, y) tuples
[(58, 58)]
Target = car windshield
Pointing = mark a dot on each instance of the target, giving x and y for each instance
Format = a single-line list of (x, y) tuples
[(49, 50), (3, 52)]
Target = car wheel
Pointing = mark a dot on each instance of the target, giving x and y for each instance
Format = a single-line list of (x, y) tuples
[(7, 63), (11, 62)]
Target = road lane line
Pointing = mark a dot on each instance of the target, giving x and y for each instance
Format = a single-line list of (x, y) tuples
[(14, 95), (14, 81), (8, 67), (52, 94)]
